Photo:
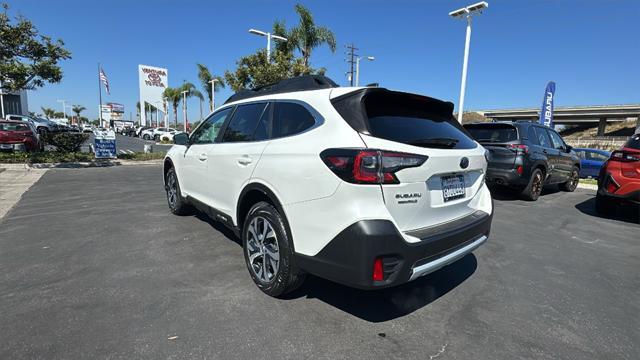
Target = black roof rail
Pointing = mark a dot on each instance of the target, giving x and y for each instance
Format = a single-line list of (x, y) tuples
[(298, 83)]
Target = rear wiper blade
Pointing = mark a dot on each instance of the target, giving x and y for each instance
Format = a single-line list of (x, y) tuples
[(442, 142)]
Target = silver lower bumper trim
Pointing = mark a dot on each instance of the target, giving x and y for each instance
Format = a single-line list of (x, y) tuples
[(436, 264)]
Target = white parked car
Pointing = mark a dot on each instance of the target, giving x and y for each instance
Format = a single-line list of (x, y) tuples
[(86, 128), (168, 136), (156, 133), (367, 187)]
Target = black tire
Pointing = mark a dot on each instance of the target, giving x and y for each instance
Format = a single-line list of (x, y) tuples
[(177, 204), (43, 130), (262, 221), (572, 183), (604, 206), (156, 137), (534, 188), (146, 136)]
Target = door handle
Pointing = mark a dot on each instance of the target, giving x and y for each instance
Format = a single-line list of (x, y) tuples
[(202, 157), (245, 160)]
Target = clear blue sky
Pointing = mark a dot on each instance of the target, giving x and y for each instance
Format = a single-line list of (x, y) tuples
[(590, 48)]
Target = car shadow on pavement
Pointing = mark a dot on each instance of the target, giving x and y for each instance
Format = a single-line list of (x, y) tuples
[(503, 193), (388, 304), (375, 305), (626, 213)]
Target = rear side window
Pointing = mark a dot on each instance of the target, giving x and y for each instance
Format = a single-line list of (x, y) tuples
[(290, 119), (533, 137), (492, 133), (543, 138), (556, 140), (633, 142), (244, 123)]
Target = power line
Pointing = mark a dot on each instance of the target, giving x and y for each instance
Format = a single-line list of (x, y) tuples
[(351, 54)]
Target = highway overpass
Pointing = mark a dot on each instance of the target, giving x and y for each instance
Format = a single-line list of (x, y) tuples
[(573, 115)]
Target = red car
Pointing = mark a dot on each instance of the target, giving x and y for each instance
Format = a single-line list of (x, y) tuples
[(619, 180), (17, 136)]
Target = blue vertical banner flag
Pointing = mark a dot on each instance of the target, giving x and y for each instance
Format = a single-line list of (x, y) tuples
[(546, 113)]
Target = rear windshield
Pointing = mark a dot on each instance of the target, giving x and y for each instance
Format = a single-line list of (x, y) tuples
[(492, 133), (633, 142), (405, 118), (13, 127)]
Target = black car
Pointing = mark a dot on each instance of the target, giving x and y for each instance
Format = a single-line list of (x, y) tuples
[(525, 156)]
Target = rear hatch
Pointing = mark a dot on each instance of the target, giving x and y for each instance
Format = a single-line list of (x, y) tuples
[(442, 188), (498, 139)]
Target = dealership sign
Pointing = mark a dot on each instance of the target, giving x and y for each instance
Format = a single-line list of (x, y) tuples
[(152, 80), (105, 144)]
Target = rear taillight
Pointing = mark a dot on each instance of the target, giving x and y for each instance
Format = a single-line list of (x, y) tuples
[(519, 148), (369, 166), (378, 270), (623, 156)]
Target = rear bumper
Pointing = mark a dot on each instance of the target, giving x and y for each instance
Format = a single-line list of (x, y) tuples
[(508, 177), (349, 258), (629, 190)]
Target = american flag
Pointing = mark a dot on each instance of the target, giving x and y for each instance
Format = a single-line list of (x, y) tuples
[(105, 81)]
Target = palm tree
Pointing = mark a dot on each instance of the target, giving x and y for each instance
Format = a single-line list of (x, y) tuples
[(280, 29), (191, 92), (307, 35), (205, 77), (48, 112), (78, 109), (173, 96)]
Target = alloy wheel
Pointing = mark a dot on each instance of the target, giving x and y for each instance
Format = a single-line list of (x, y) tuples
[(172, 191), (537, 184), (262, 249)]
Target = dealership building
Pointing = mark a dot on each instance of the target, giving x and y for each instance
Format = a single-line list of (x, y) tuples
[(15, 103)]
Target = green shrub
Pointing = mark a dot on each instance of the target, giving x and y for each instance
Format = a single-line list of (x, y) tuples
[(142, 156), (44, 157), (66, 141)]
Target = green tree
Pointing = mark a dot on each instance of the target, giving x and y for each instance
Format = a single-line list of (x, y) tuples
[(205, 77), (28, 59), (77, 109), (307, 35), (255, 71)]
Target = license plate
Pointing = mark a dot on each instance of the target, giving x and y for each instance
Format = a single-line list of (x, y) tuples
[(453, 187), (6, 146)]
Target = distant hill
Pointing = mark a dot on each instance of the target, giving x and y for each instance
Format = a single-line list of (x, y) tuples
[(472, 116)]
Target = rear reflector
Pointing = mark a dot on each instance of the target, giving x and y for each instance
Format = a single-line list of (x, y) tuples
[(378, 272), (369, 166), (611, 185), (519, 169)]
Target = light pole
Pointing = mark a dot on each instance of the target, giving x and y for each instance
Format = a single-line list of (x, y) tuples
[(213, 94), (370, 58), (269, 36), (184, 108), (64, 107), (1, 101), (466, 13)]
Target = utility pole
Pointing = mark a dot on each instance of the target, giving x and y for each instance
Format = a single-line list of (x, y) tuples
[(351, 53)]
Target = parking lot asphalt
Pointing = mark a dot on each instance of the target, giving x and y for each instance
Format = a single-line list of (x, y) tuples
[(93, 265)]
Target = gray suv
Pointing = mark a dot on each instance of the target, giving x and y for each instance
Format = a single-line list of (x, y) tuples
[(41, 125)]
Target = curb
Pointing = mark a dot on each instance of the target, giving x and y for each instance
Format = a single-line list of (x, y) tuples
[(587, 186), (81, 165)]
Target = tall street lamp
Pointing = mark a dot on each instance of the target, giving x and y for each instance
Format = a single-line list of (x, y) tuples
[(269, 36), (370, 58), (64, 108), (213, 94), (466, 13), (184, 108)]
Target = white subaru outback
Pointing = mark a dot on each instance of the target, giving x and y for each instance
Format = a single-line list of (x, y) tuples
[(366, 187)]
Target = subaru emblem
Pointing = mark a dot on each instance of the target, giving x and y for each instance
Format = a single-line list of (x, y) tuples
[(464, 162)]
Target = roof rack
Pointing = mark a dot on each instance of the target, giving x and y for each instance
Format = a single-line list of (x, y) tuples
[(299, 83)]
